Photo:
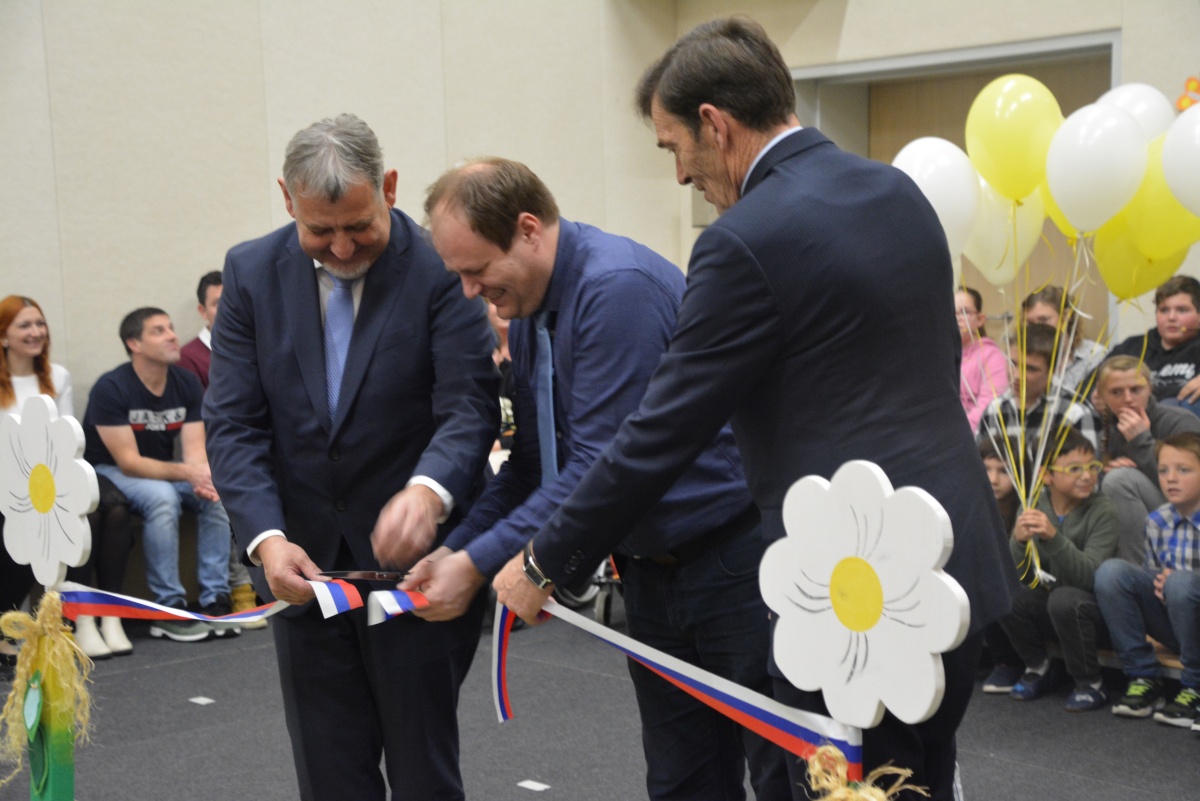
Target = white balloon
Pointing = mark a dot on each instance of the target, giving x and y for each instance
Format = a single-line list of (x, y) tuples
[(1150, 107), (990, 247), (1181, 159), (1095, 164), (945, 175)]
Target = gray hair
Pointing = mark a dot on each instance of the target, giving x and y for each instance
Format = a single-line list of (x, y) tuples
[(328, 157)]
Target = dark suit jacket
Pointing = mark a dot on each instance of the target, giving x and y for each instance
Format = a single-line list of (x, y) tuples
[(419, 395), (820, 316)]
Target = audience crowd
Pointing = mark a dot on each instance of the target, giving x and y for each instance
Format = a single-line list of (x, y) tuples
[(1094, 460)]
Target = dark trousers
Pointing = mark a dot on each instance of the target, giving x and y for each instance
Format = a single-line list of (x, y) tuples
[(1069, 616), (112, 540), (706, 610), (15, 580), (928, 749), (354, 693)]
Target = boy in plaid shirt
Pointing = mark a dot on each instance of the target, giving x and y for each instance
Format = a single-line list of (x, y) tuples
[(1161, 598)]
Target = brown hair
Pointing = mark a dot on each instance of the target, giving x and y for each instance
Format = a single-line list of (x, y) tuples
[(1039, 341), (730, 63), (1187, 441), (977, 299), (1179, 285), (492, 193), (10, 307), (1053, 296)]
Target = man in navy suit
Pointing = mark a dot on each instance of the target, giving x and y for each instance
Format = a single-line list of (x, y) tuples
[(320, 474), (819, 316), (596, 311)]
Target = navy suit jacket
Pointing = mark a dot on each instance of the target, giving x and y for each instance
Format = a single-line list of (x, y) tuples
[(419, 395), (820, 316)]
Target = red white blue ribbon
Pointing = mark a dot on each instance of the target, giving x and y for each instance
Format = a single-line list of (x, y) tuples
[(794, 730), (501, 633), (387, 604), (80, 600), (335, 597)]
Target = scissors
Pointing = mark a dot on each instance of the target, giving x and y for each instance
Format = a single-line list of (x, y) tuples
[(364, 575)]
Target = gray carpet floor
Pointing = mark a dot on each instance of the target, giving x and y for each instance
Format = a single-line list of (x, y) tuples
[(575, 730)]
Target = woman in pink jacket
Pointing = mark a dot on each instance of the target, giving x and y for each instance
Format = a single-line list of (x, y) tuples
[(984, 364)]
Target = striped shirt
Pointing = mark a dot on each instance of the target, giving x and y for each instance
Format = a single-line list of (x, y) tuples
[(1003, 417)]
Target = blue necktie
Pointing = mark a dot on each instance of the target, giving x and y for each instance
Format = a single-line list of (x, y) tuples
[(544, 393), (339, 324)]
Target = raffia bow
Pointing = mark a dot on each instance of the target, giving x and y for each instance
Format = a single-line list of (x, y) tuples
[(49, 647), (827, 775)]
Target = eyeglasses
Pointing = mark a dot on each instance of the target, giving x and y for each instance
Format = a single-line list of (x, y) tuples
[(1076, 470)]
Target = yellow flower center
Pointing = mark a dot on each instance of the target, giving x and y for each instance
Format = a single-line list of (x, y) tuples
[(856, 593), (41, 488)]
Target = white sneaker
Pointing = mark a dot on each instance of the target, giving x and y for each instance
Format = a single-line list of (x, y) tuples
[(89, 639), (114, 636)]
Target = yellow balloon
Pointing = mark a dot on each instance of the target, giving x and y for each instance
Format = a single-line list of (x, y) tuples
[(1127, 272), (1009, 128), (1056, 214), (1159, 223)]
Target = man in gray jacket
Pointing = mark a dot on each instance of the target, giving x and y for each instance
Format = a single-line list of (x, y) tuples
[(1134, 423)]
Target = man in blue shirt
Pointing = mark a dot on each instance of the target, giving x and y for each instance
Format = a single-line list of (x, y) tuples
[(690, 565)]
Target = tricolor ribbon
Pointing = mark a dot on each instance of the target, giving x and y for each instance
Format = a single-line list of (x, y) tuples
[(333, 598), (387, 604), (80, 600), (794, 730)]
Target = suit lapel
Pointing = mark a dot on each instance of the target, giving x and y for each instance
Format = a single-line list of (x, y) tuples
[(381, 292), (302, 310)]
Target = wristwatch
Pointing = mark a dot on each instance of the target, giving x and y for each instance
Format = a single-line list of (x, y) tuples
[(532, 571)]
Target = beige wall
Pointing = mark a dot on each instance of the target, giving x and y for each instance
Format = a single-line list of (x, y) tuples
[(139, 139)]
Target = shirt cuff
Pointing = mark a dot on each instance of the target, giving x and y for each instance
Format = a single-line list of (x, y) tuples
[(258, 540), (439, 490)]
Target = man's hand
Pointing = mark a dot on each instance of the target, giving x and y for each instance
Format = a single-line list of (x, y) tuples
[(1034, 523), (1160, 581), (1190, 391), (200, 477), (516, 591), (448, 579), (1131, 422), (406, 527), (286, 566), (1120, 461)]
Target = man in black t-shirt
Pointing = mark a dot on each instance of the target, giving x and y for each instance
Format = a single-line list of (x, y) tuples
[(136, 415)]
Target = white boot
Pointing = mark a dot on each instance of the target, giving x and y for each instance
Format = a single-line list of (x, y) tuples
[(89, 638), (115, 637)]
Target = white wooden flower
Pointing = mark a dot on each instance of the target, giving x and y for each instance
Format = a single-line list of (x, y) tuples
[(865, 610), (47, 490)]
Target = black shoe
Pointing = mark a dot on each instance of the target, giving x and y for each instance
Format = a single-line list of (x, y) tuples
[(1141, 699), (222, 606)]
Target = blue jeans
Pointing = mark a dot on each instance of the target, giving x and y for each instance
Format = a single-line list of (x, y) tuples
[(706, 610), (1125, 593), (160, 503)]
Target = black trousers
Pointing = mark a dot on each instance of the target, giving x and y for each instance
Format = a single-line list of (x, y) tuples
[(354, 693), (928, 748)]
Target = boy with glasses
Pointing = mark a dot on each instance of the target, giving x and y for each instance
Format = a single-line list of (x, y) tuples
[(1073, 531)]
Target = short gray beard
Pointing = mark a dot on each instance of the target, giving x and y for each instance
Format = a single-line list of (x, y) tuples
[(352, 273)]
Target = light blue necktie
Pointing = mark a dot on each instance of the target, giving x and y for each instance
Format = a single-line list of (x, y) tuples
[(339, 324), (544, 393)]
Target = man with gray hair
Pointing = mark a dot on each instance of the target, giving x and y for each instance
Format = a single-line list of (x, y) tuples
[(351, 408)]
